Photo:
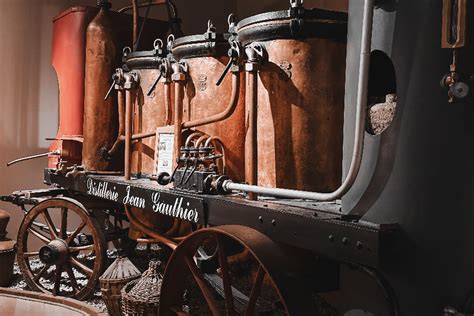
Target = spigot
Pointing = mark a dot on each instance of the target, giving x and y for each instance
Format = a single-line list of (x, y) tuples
[(132, 78), (256, 55)]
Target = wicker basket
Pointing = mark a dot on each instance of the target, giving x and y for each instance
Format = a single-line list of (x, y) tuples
[(141, 297), (120, 272)]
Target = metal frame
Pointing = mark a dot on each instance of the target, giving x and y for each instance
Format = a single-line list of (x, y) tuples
[(311, 226)]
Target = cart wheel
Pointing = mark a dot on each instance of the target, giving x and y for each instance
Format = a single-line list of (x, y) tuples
[(267, 281), (61, 249)]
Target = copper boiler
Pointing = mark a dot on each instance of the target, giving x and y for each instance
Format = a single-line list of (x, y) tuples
[(152, 106), (300, 101), (206, 57), (107, 35)]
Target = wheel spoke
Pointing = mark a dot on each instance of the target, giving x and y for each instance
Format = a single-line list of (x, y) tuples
[(257, 286), (63, 223), (30, 254), (38, 235), (77, 231), (42, 271), (57, 279), (52, 229), (81, 266), (229, 297), (81, 248), (203, 285), (72, 277)]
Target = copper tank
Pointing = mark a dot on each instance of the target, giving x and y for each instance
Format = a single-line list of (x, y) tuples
[(107, 34), (68, 58), (152, 106), (300, 96), (206, 58)]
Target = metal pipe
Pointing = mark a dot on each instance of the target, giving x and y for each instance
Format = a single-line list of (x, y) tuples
[(135, 22), (142, 5), (178, 116), (362, 86), (121, 132), (251, 130), (135, 222), (54, 152), (191, 137), (234, 100), (128, 133), (168, 107)]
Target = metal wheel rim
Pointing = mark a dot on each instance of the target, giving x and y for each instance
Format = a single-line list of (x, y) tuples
[(92, 275), (273, 261)]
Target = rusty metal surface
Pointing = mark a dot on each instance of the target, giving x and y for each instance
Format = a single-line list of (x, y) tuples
[(275, 266), (20, 302), (150, 113), (100, 116), (300, 115), (68, 59), (60, 248), (103, 56), (202, 98)]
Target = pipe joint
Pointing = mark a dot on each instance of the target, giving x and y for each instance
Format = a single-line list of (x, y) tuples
[(132, 78), (180, 70)]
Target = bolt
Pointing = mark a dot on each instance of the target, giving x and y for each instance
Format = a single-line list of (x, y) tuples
[(331, 238), (274, 222), (359, 245), (345, 241), (260, 219)]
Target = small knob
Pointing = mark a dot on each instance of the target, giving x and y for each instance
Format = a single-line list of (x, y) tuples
[(164, 178)]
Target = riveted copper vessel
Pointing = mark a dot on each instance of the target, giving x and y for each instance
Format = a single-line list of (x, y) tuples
[(206, 58), (107, 34), (300, 96), (152, 107)]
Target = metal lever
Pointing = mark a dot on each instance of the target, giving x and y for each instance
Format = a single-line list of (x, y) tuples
[(233, 53), (153, 86), (54, 152), (110, 90), (224, 73)]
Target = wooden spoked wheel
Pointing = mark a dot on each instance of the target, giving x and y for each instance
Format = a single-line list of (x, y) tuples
[(250, 274), (61, 249)]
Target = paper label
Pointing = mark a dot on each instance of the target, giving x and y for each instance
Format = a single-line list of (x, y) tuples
[(164, 159)]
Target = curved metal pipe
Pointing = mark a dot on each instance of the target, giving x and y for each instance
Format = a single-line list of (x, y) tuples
[(135, 222), (54, 152), (214, 140), (141, 5), (118, 141), (234, 100), (191, 137), (200, 140), (362, 87)]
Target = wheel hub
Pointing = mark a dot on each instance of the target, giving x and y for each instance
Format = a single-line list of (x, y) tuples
[(55, 252)]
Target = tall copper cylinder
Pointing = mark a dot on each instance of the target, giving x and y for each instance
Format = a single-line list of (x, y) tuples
[(100, 116), (107, 34), (206, 58), (300, 101), (151, 108)]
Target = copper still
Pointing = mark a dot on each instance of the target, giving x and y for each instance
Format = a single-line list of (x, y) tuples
[(152, 106), (107, 35), (68, 59), (211, 112), (295, 104)]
